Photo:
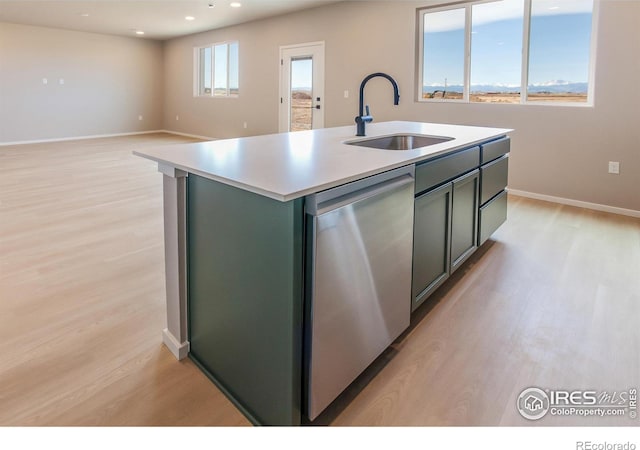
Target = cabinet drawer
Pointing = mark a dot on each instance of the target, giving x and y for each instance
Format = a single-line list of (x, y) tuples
[(447, 168), (495, 149), (493, 178), (492, 215)]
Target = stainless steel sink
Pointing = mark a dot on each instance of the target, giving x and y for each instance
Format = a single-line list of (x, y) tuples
[(400, 141)]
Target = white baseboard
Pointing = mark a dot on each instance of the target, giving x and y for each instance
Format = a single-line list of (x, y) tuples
[(97, 136), (179, 349), (578, 203), (79, 138), (196, 136)]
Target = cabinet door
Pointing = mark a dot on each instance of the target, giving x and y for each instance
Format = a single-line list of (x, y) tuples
[(431, 251), (464, 218)]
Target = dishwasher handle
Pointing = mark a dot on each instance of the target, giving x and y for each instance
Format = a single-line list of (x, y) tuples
[(324, 202)]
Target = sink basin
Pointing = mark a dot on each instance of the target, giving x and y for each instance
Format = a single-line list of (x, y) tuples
[(400, 141)]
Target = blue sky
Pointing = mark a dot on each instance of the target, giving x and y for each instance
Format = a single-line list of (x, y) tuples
[(559, 49), (301, 76)]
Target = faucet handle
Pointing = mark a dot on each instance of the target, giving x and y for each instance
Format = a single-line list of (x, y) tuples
[(367, 110)]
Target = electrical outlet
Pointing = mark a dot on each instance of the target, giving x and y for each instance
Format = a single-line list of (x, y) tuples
[(45, 81), (139, 117), (346, 94), (177, 117), (245, 125), (61, 81), (614, 167)]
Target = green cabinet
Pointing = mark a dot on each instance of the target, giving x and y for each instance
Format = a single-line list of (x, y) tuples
[(445, 219), (464, 218), (431, 242), (494, 174), (245, 281)]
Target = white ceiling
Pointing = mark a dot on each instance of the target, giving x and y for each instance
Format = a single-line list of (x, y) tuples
[(159, 19)]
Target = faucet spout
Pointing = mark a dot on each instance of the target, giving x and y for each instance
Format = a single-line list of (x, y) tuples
[(362, 119)]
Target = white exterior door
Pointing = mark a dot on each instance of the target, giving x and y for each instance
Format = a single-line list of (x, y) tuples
[(301, 87)]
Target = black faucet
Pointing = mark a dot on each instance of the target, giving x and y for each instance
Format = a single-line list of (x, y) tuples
[(362, 119)]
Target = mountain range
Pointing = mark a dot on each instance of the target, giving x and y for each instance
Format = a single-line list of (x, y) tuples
[(554, 87)]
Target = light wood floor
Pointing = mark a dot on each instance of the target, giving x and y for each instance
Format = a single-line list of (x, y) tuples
[(552, 301)]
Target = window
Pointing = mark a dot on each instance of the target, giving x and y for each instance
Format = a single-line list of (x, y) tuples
[(217, 71), (507, 51), (560, 44), (443, 65), (496, 57)]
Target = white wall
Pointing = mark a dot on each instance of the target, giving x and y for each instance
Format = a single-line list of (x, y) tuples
[(557, 151), (108, 82)]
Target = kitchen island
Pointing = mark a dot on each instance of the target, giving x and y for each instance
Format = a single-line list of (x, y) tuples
[(236, 244)]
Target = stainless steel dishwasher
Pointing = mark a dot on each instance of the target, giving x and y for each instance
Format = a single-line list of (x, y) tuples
[(360, 243)]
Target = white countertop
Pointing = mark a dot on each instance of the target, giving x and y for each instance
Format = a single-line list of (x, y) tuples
[(290, 165)]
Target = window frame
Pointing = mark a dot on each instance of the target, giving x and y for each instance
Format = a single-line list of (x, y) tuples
[(197, 70), (467, 6)]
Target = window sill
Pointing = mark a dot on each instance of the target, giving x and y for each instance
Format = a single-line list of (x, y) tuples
[(216, 96), (540, 103)]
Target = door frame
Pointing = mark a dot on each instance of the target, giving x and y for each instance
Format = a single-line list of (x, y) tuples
[(301, 50)]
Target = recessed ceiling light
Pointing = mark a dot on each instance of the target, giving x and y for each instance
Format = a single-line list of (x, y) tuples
[(84, 15), (189, 18), (235, 4), (140, 32)]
